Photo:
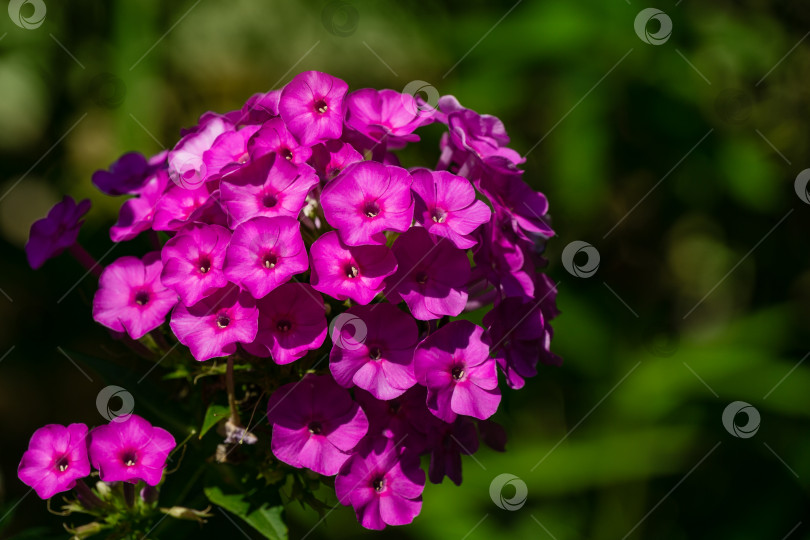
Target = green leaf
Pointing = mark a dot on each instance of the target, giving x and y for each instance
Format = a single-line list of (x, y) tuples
[(213, 415), (265, 518)]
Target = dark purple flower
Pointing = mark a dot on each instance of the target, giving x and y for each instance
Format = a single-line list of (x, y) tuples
[(213, 326), (502, 259), (193, 261), (55, 459), (292, 322), (312, 106), (343, 272), (383, 363), (130, 449), (404, 419), (383, 484), (316, 424), (131, 297), (52, 235), (274, 137), (454, 364), (385, 115), (449, 442), (267, 186), (431, 277), (446, 206), (517, 334), (138, 213), (264, 253), (526, 207), (128, 174), (366, 199)]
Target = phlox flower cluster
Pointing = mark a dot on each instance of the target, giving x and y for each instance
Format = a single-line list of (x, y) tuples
[(292, 220), (128, 449)]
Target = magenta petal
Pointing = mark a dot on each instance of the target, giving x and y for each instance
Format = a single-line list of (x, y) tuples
[(398, 510), (471, 400)]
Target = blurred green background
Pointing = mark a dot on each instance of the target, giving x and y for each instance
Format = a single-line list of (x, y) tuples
[(702, 297)]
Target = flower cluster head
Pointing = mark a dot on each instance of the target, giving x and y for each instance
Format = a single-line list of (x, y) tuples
[(292, 219), (128, 449)]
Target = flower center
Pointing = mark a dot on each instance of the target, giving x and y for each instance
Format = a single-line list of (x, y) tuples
[(438, 215), (269, 260), (129, 458), (205, 265), (141, 298), (286, 153), (457, 373), (375, 353), (283, 325), (421, 277), (62, 464), (351, 270), (378, 484), (315, 428), (321, 106), (269, 200), (223, 320), (371, 209)]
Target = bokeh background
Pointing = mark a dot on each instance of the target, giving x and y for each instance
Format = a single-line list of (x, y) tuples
[(677, 161)]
